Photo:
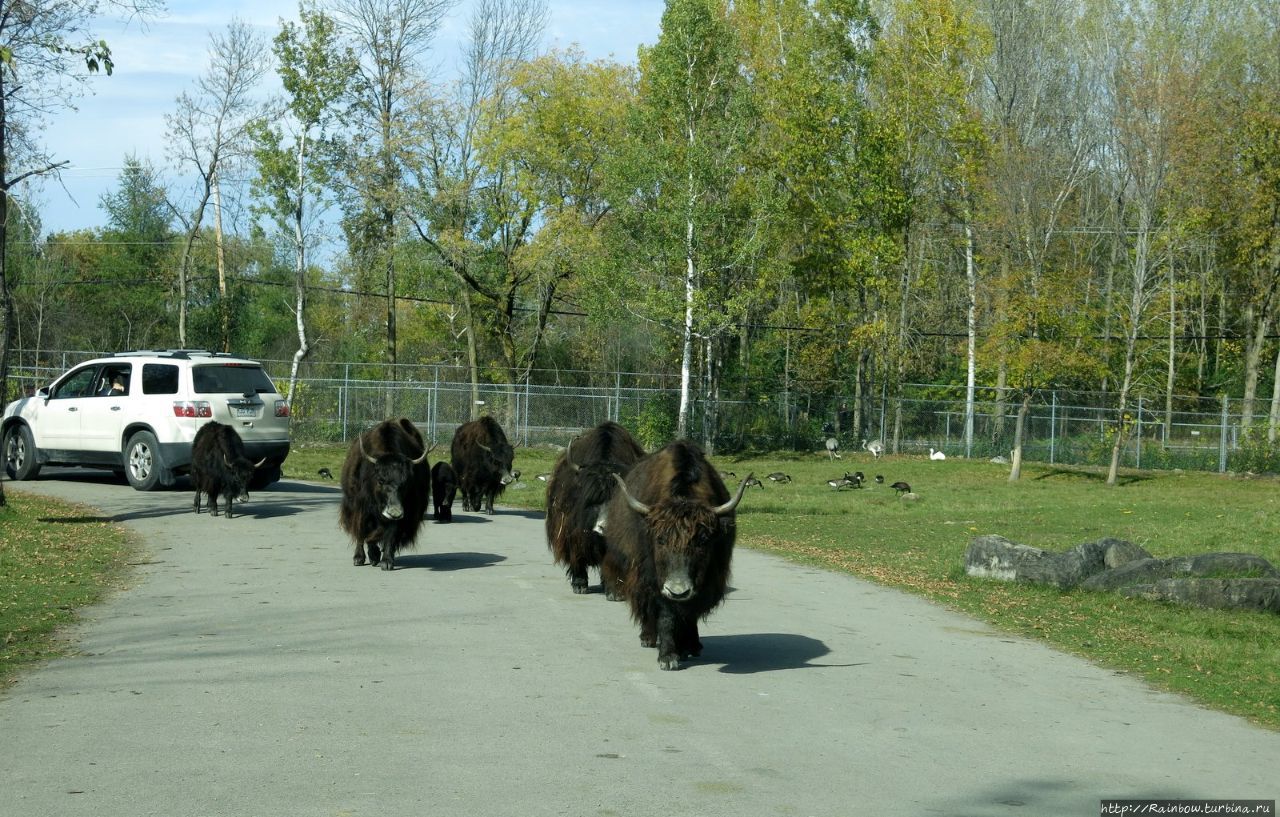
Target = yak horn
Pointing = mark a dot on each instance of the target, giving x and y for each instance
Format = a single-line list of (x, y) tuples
[(260, 463), (727, 508), (424, 455), (569, 459), (363, 453), (635, 504), (485, 447)]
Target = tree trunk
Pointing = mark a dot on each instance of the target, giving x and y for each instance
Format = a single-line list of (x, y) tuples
[(473, 355), (971, 280), (1171, 372), (388, 225), (1274, 419), (1019, 434), (224, 307), (299, 274), (686, 354), (1257, 320)]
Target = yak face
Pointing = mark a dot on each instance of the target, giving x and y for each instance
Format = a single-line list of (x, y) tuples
[(684, 534), (390, 473), (690, 541), (497, 459), (239, 475)]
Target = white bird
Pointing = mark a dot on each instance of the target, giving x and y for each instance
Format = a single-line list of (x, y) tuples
[(833, 445), (936, 455), (876, 448)]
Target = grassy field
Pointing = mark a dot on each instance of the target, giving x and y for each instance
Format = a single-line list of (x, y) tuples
[(47, 571), (1230, 661)]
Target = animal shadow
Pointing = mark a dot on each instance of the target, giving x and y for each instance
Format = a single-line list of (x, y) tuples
[(445, 562), (764, 652)]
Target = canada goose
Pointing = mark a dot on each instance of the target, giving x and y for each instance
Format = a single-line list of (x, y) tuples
[(879, 479), (325, 473), (875, 447), (901, 487), (778, 476), (833, 446), (727, 475), (855, 479), (841, 482), (752, 482), (936, 455), (543, 477)]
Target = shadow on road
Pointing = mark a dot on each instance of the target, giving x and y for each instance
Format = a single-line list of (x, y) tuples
[(764, 652), (447, 561)]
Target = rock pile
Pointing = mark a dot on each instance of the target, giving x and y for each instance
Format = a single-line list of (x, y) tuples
[(1228, 581)]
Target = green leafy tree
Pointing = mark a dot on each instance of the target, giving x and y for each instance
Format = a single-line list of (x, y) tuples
[(925, 82), (686, 152), (292, 172)]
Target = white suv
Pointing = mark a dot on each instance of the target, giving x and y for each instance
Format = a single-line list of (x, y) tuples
[(136, 413)]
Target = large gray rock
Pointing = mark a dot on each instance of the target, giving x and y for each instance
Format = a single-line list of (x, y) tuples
[(1209, 565), (1119, 552), (995, 557), (1219, 594)]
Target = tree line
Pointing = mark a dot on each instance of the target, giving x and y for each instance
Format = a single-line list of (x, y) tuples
[(823, 197)]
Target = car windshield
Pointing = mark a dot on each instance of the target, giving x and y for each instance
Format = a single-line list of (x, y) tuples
[(229, 379)]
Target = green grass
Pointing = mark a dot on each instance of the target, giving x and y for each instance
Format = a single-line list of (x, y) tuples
[(49, 569), (1227, 660)]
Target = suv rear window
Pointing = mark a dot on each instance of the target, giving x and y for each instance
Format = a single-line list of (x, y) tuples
[(159, 378), (231, 379)]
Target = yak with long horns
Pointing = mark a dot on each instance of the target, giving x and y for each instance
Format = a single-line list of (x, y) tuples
[(386, 482), (672, 526)]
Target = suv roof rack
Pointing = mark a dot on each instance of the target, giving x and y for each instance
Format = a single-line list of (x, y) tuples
[(180, 354)]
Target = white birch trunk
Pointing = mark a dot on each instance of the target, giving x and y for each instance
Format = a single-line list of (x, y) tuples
[(971, 278), (300, 273), (686, 355)]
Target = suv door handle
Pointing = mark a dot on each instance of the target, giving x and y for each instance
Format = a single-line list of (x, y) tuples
[(115, 408)]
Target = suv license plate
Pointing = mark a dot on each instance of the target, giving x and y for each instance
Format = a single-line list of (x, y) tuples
[(246, 412)]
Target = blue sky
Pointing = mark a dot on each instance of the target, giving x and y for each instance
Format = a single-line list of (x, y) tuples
[(154, 63)]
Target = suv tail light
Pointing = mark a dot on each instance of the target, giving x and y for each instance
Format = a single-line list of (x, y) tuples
[(192, 408), (282, 408)]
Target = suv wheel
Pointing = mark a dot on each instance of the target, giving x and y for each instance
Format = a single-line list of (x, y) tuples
[(142, 461), (20, 459)]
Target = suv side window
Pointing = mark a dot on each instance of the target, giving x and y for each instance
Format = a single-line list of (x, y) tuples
[(159, 378), (79, 384)]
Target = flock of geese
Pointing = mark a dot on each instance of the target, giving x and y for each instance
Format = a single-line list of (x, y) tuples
[(849, 480)]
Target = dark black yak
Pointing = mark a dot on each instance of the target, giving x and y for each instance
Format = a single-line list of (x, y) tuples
[(577, 492), (482, 460), (444, 487), (219, 466), (670, 538), (385, 483)]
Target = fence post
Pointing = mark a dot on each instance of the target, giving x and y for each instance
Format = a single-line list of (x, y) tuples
[(433, 405), (1053, 426), (1222, 439), (1138, 437), (345, 409)]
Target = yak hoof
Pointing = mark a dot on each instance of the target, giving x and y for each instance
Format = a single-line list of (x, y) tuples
[(668, 662), (648, 641), (358, 561), (388, 564)]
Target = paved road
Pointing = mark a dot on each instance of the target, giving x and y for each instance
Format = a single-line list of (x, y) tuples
[(251, 670)]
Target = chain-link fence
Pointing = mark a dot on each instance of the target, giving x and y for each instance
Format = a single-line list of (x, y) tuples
[(333, 401)]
